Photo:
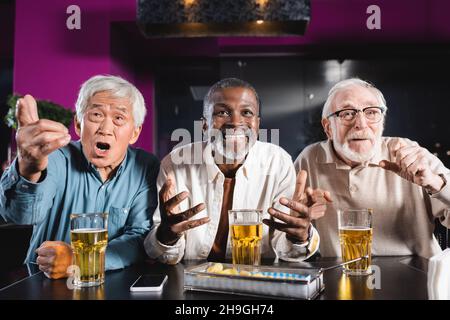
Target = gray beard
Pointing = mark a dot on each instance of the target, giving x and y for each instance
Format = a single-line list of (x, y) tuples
[(226, 150), (345, 151)]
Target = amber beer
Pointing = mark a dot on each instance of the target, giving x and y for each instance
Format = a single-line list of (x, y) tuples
[(89, 246), (246, 243), (246, 234), (355, 236), (89, 238), (355, 243)]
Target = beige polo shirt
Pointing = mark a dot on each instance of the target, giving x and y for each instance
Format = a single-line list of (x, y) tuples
[(404, 213)]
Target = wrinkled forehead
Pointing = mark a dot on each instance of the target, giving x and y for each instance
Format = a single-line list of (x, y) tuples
[(106, 99), (354, 97), (235, 96)]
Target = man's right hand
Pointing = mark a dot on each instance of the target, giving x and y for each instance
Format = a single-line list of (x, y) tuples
[(36, 139), (175, 223)]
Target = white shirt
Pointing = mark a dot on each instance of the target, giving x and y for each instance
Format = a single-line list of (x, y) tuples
[(403, 212), (266, 175)]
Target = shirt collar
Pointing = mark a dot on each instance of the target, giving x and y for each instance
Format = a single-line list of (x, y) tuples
[(327, 155), (211, 168)]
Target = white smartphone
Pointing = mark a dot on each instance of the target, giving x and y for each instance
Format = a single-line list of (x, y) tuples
[(149, 283)]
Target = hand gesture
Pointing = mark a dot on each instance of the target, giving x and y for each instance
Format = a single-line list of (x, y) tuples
[(175, 223), (412, 162), (36, 139), (304, 206)]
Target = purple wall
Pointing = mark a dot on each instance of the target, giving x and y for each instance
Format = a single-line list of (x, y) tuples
[(344, 21), (51, 62)]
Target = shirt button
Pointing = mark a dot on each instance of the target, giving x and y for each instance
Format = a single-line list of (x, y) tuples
[(353, 189)]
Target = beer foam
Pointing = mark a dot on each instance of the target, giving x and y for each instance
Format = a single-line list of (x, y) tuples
[(88, 230), (355, 228)]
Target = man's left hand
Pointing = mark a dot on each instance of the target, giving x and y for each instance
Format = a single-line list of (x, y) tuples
[(412, 162), (306, 205), (54, 257)]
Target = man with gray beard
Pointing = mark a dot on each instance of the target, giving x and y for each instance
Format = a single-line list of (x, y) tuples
[(404, 184), (199, 182)]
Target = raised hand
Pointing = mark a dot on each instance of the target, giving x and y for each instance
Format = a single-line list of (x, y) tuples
[(175, 223), (305, 205), (36, 139), (412, 162)]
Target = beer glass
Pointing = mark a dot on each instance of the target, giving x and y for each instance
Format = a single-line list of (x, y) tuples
[(355, 236), (246, 235), (89, 238)]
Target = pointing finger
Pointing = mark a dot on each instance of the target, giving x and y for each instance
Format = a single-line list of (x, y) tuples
[(186, 225), (186, 215), (167, 191), (391, 166), (327, 196), (287, 217), (175, 201), (193, 211), (296, 206), (287, 228), (300, 184)]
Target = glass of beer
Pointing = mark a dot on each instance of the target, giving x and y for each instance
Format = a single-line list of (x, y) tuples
[(246, 235), (89, 238), (355, 236)]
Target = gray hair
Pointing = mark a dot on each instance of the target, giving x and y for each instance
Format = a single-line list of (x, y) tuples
[(208, 102), (349, 83), (119, 88)]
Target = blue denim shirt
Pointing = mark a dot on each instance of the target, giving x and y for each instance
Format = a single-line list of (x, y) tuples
[(70, 184)]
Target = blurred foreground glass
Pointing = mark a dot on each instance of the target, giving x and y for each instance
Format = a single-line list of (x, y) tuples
[(246, 235), (355, 236), (89, 238)]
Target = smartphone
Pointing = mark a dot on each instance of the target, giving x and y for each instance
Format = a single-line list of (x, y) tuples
[(149, 283)]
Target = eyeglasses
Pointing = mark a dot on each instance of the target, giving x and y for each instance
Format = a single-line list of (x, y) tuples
[(348, 116)]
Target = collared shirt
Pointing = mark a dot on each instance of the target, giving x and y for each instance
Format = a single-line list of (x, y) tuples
[(71, 184), (266, 175), (219, 248), (403, 212)]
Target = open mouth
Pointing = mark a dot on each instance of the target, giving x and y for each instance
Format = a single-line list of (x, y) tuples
[(102, 147), (230, 134), (359, 139)]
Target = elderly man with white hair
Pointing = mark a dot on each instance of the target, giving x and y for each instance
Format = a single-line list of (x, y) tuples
[(404, 184), (53, 177)]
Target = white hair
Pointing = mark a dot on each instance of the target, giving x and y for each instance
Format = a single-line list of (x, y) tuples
[(349, 83), (119, 88)]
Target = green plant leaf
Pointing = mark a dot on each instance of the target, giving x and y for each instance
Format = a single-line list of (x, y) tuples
[(46, 110)]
